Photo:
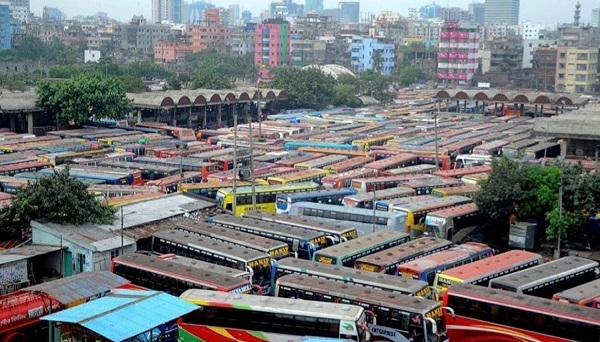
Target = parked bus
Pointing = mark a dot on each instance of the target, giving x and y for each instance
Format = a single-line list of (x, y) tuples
[(295, 158), (158, 274), (328, 196), (303, 242), (171, 184), (347, 165), (399, 317), (319, 163), (366, 143), (547, 279), (149, 171), (345, 254), (492, 148), (580, 295), (517, 149), (425, 186), (312, 175), (458, 173), (388, 205), (183, 163), (265, 196), (454, 223), (475, 179), (229, 318), (335, 233), (467, 190), (294, 145), (185, 244), (364, 185), (393, 162), (367, 200), (362, 219), (426, 267), (209, 189), (58, 158), (344, 180), (413, 169), (461, 147), (387, 260), (385, 282), (276, 249), (515, 317), (480, 272), (31, 166), (467, 161), (115, 157)]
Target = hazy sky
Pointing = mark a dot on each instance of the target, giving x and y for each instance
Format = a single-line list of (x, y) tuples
[(542, 11)]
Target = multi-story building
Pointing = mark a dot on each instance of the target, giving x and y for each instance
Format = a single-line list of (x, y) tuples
[(595, 18), (196, 11), (308, 51), (312, 26), (313, 6), (458, 56), (430, 11), (502, 12), (234, 15), (370, 54), (272, 45), (477, 12), (246, 16), (286, 8), (5, 32), (428, 30), (208, 36), (529, 48), (489, 32), (454, 14), (533, 30), (240, 43), (544, 68), (502, 55), (138, 36), (168, 11), (170, 52), (576, 69), (53, 15), (349, 12)]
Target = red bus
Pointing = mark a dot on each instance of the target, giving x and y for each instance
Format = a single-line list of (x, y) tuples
[(393, 162), (225, 163), (462, 147), (444, 162), (347, 153), (580, 295), (347, 165), (478, 313), (177, 152), (379, 183), (179, 133), (492, 148), (31, 166), (301, 158), (344, 180), (170, 184), (458, 173)]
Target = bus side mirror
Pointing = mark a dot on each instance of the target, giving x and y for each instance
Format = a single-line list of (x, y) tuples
[(433, 325), (449, 310)]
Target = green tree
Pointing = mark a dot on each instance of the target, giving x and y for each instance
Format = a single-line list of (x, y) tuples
[(410, 74), (84, 96), (132, 84), (377, 61), (233, 68), (57, 198), (205, 79), (540, 191), (345, 96), (376, 85), (307, 88), (501, 192)]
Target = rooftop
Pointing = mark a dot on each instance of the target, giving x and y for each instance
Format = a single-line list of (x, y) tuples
[(25, 252)]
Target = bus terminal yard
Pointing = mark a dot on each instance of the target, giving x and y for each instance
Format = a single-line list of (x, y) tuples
[(343, 224)]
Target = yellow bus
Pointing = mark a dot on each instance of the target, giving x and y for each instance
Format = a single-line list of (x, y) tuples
[(467, 190), (266, 196), (365, 144), (311, 175), (58, 158)]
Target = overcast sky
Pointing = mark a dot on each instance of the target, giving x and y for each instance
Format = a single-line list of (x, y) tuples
[(540, 11)]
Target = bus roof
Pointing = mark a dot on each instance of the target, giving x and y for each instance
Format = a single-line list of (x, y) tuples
[(433, 182), (362, 242), (273, 304), (271, 188), (491, 265), (359, 293), (585, 291), (212, 245), (385, 193), (316, 193), (542, 273), (459, 210), (532, 303), (412, 169), (406, 250), (230, 235), (297, 221), (190, 262), (196, 274), (453, 190), (434, 203), (409, 199), (449, 255), (275, 228), (351, 275)]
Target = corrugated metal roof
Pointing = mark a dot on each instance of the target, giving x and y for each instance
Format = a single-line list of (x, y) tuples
[(125, 313), (80, 286), (26, 252)]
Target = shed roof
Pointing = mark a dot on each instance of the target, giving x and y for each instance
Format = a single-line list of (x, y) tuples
[(25, 252), (125, 313), (80, 286), (10, 102)]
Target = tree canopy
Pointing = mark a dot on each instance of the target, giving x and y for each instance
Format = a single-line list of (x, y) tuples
[(84, 96), (221, 70), (307, 88), (30, 48), (57, 198)]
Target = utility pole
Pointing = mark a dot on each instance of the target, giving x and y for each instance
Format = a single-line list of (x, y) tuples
[(235, 171), (560, 201), (252, 165), (435, 128), (259, 110), (374, 210)]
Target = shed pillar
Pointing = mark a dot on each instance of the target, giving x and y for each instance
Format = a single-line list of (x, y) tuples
[(139, 115), (12, 122), (204, 114), (30, 123)]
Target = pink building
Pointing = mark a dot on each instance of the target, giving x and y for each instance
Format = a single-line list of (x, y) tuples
[(458, 56), (168, 52), (272, 45)]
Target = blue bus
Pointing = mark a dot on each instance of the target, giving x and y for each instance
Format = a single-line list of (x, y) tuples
[(114, 178), (331, 196), (419, 142), (294, 145)]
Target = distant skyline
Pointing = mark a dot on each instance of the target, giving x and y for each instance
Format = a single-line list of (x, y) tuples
[(539, 11)]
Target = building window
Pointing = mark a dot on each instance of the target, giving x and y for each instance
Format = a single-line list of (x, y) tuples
[(114, 254), (561, 65), (562, 55), (561, 76)]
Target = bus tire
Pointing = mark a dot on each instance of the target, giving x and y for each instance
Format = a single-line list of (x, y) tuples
[(15, 337)]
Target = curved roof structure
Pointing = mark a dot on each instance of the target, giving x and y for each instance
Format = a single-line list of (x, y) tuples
[(491, 95), (332, 69)]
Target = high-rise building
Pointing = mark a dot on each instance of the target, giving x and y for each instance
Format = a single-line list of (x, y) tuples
[(595, 18), (20, 11), (502, 12), (53, 15), (313, 6), (349, 12), (458, 57), (430, 11), (363, 55), (168, 10), (272, 45), (196, 11), (246, 16), (576, 69), (234, 15), (477, 12), (5, 31)]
